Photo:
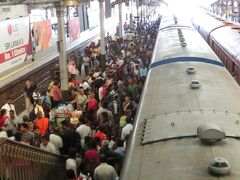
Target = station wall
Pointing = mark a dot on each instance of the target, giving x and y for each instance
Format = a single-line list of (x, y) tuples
[(13, 12)]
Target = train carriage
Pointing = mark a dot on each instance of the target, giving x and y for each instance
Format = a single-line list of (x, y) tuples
[(187, 123), (223, 37)]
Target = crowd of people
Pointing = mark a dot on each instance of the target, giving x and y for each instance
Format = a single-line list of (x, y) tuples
[(92, 124)]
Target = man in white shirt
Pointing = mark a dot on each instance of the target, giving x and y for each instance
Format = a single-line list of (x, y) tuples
[(127, 129), (71, 163), (9, 106), (47, 146), (102, 109), (12, 123), (86, 61), (83, 130), (56, 140), (3, 134), (85, 85), (104, 171)]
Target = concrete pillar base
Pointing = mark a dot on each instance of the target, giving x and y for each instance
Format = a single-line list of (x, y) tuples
[(65, 95), (103, 61)]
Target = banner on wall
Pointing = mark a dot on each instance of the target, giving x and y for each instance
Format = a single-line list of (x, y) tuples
[(15, 42), (74, 28), (93, 14), (42, 34)]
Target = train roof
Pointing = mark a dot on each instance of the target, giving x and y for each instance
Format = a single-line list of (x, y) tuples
[(227, 36), (171, 20), (164, 144), (229, 39)]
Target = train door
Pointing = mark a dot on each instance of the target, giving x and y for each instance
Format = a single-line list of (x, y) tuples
[(238, 76)]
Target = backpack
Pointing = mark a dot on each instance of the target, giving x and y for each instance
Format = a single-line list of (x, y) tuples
[(32, 116), (46, 107)]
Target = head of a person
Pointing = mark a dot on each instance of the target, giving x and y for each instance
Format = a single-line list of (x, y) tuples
[(73, 77), (105, 116), (72, 153), (28, 82), (87, 140), (9, 133), (127, 98), (56, 83), (30, 125), (18, 136), (93, 144), (105, 143), (101, 128), (3, 112), (36, 131), (70, 174), (44, 93), (119, 142), (9, 100), (92, 95), (65, 124), (104, 104), (103, 158), (82, 120), (129, 119), (39, 114), (81, 90), (39, 102), (45, 140), (24, 127), (25, 118), (115, 97), (12, 114)]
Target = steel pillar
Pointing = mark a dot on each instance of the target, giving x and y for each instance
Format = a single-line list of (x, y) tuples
[(120, 27), (102, 34), (62, 47)]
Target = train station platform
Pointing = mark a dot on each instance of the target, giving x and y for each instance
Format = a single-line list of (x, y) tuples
[(51, 53)]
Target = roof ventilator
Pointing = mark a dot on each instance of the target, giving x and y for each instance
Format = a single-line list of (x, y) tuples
[(195, 84), (183, 44), (182, 39), (180, 36), (210, 133), (219, 166), (191, 70)]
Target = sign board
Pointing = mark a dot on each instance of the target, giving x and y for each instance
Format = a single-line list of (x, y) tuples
[(42, 34), (74, 28), (15, 44)]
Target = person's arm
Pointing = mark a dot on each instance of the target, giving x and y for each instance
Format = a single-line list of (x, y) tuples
[(36, 109), (59, 93), (115, 107), (114, 174), (100, 93)]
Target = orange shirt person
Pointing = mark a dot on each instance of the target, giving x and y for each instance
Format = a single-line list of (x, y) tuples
[(42, 123)]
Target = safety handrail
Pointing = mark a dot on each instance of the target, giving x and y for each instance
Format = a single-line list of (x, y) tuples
[(23, 162)]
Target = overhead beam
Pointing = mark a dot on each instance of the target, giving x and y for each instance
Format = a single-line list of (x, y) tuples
[(10, 2)]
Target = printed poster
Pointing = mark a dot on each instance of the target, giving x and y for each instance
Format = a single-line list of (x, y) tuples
[(42, 35), (74, 28), (16, 42)]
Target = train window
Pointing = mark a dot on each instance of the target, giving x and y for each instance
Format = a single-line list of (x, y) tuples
[(235, 71), (226, 65)]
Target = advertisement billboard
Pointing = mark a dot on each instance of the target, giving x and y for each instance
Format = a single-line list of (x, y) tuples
[(93, 14), (74, 28), (42, 34), (15, 44)]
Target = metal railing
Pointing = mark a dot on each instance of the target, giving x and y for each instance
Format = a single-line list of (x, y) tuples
[(23, 162)]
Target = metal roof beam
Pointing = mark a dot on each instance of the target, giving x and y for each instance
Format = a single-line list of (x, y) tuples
[(10, 2)]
